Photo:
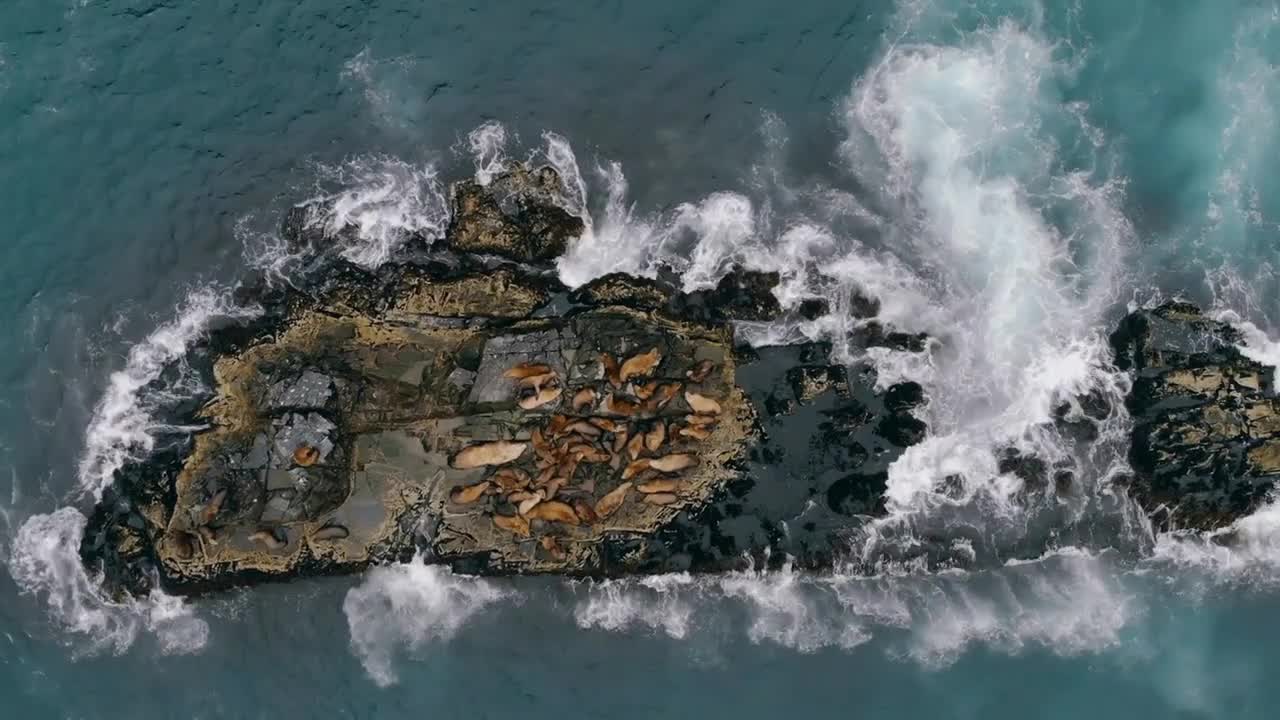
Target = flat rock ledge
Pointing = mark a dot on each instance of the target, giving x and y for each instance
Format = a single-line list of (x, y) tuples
[(472, 410)]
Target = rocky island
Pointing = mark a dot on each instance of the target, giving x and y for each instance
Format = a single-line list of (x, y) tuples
[(465, 406)]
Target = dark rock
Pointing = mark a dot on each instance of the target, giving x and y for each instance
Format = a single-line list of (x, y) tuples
[(740, 295), (812, 309), (518, 217), (1206, 441)]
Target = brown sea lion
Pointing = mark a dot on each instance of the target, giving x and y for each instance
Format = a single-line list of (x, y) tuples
[(700, 371), (329, 533), (617, 406), (634, 467), (619, 441), (540, 398), (645, 391), (584, 398), (465, 495), (305, 456), (589, 453), (554, 511), (656, 436), (696, 432), (524, 371), (701, 420), (611, 370), (513, 524), (661, 397), (529, 503), (586, 513), (499, 452), (584, 428), (661, 485), (552, 546), (673, 463), (701, 404), (641, 365), (635, 446), (213, 507), (511, 479), (267, 539), (208, 534), (660, 498), (608, 424), (613, 500)]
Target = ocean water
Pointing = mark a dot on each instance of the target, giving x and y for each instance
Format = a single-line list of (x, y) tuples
[(1009, 176)]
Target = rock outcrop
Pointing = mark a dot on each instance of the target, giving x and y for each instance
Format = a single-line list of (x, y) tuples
[(477, 412), (1206, 440)]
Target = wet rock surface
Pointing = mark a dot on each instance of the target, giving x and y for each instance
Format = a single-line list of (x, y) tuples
[(480, 414), (1206, 441)]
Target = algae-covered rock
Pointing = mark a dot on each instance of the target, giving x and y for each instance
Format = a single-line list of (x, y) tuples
[(1206, 441)]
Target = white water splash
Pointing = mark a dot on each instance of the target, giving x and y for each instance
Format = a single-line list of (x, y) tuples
[(487, 145), (409, 607)]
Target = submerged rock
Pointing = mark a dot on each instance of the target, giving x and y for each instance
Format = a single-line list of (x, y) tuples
[(1206, 441), (484, 416)]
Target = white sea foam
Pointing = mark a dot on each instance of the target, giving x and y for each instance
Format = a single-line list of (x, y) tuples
[(409, 606), (370, 205), (46, 562), (487, 145)]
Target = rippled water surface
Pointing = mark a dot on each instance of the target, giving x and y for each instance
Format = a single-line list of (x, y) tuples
[(1009, 176)]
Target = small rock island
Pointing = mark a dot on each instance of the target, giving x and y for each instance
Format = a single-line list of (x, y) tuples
[(465, 406)]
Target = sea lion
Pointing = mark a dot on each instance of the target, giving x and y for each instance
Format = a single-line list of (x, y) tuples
[(611, 370), (661, 485), (613, 500), (524, 371), (697, 432), (208, 534), (661, 397), (641, 365), (514, 524), (608, 425), (586, 513), (465, 495), (499, 452), (268, 539), (700, 371), (589, 453), (529, 503), (305, 456), (553, 487), (701, 404), (540, 398), (584, 398), (329, 533), (213, 507), (584, 428), (554, 511), (511, 479), (557, 424), (634, 467), (656, 436), (552, 547), (700, 420), (635, 446), (673, 463), (619, 441), (645, 391), (660, 498), (617, 406)]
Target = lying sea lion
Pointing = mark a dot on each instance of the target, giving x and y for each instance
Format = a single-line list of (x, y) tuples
[(613, 500), (584, 428), (661, 485), (641, 365), (700, 371), (673, 463), (656, 436), (208, 534), (611, 370), (634, 467), (635, 446), (617, 406), (465, 495), (557, 424), (329, 533), (527, 370), (514, 524), (554, 511), (589, 453), (213, 507), (552, 546), (584, 398), (499, 452), (619, 441), (529, 503), (540, 398), (661, 397), (660, 498), (586, 513), (696, 432), (700, 420), (305, 456), (701, 404), (511, 479), (553, 487), (608, 425), (268, 539)]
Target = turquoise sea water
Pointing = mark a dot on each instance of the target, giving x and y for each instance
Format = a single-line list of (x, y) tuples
[(1006, 175)]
